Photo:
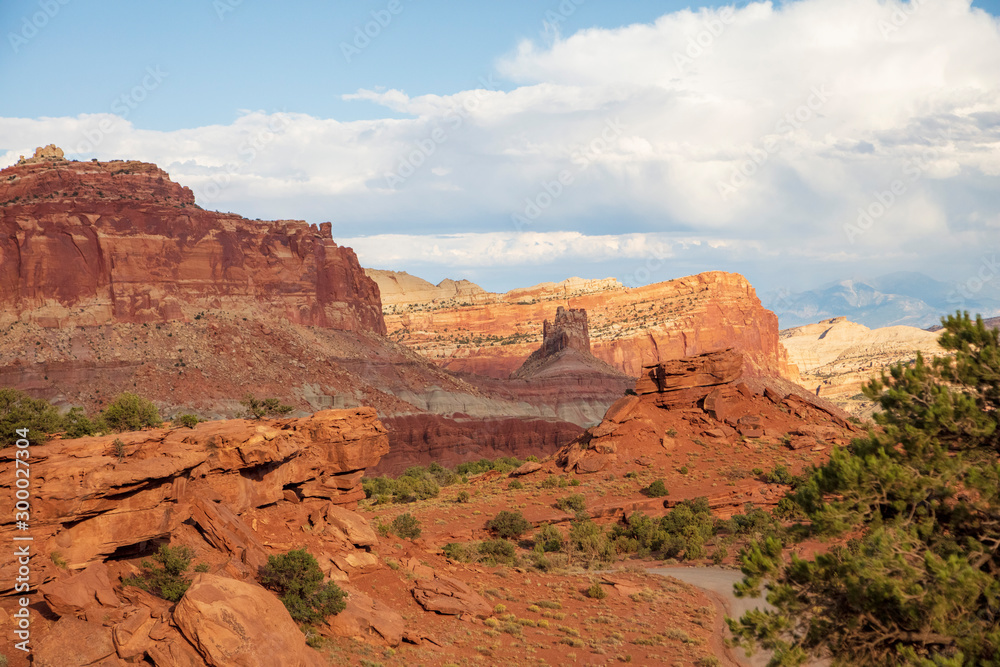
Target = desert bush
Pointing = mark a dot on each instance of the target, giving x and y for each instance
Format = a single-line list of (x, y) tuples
[(164, 575), (268, 407), (406, 526), (462, 497), (118, 447), (76, 424), (20, 411), (515, 485), (508, 525), (187, 420), (497, 552), (457, 551), (779, 474), (130, 412), (575, 502), (298, 581), (549, 538), (550, 482), (503, 464), (589, 540), (656, 489), (596, 591)]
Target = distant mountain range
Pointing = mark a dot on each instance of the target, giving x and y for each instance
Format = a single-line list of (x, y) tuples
[(909, 298)]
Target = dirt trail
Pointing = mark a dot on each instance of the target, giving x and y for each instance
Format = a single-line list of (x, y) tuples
[(718, 582)]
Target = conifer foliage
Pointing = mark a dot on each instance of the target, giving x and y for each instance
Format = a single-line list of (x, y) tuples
[(918, 580)]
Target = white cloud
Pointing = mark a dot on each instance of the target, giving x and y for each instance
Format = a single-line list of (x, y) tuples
[(820, 103)]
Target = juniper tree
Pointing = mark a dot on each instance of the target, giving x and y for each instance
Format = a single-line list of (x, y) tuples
[(914, 507)]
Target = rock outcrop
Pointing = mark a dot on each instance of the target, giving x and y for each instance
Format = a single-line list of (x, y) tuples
[(238, 624), (629, 327), (106, 242), (234, 492), (837, 357), (705, 396), (93, 497)]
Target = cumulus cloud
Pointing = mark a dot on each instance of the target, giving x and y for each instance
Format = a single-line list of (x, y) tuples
[(822, 129)]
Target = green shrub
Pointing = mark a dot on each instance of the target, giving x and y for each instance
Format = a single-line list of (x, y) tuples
[(497, 552), (779, 475), (269, 407), (550, 482), (462, 497), (298, 581), (503, 464), (549, 538), (508, 525), (589, 539), (406, 526), (119, 449), (457, 551), (656, 489), (76, 424), (164, 575), (188, 420), (597, 592), (129, 412), (515, 485), (576, 502), (20, 411)]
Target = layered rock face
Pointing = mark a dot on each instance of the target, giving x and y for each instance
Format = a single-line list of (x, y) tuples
[(837, 357), (629, 327), (93, 497), (233, 492), (91, 243), (399, 289), (705, 396)]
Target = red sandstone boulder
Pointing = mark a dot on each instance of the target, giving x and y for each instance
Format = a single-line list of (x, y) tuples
[(238, 624), (365, 618), (71, 595), (74, 642), (446, 595)]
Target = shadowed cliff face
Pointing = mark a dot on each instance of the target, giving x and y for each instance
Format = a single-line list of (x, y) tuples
[(88, 243)]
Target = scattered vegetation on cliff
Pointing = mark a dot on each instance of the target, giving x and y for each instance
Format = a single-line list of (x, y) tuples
[(257, 408), (916, 583), (18, 410), (298, 581), (164, 575), (421, 483), (130, 412)]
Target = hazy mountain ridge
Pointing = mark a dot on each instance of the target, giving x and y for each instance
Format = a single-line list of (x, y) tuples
[(900, 298)]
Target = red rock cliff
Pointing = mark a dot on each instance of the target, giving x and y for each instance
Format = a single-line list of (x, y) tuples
[(629, 327), (102, 242)]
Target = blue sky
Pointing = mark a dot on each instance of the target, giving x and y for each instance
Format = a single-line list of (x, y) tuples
[(520, 141)]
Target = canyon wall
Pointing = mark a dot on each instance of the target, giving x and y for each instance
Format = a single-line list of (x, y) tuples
[(491, 334), (90, 243)]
